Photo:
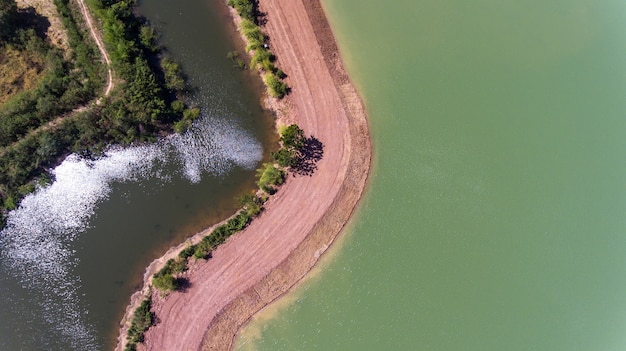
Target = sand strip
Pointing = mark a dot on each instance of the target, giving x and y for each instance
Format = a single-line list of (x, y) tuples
[(261, 263)]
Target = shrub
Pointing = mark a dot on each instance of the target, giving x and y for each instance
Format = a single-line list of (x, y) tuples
[(252, 32), (269, 177), (292, 137), (187, 252), (164, 282), (173, 75), (285, 157), (147, 37), (189, 115), (203, 249), (259, 57), (178, 266), (277, 87), (251, 204), (142, 320), (245, 8)]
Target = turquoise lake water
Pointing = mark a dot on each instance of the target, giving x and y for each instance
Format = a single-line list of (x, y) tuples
[(495, 217)]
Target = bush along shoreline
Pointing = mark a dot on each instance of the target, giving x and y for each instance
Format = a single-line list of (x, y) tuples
[(147, 101), (170, 278), (261, 57)]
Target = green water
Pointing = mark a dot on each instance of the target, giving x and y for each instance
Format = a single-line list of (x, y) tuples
[(495, 215)]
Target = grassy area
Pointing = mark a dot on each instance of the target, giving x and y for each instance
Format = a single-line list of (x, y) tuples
[(19, 71)]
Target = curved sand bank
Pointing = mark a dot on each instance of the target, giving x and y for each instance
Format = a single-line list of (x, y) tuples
[(259, 264)]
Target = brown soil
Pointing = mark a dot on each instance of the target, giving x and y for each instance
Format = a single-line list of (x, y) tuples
[(261, 263)]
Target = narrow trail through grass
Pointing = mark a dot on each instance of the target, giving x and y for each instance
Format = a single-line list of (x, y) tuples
[(95, 34)]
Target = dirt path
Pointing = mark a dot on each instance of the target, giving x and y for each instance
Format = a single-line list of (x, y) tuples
[(96, 37), (267, 259)]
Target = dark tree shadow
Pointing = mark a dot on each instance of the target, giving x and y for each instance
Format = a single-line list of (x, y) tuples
[(261, 17), (29, 18), (310, 154), (183, 284)]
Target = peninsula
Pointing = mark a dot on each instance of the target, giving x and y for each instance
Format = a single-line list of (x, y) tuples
[(268, 258)]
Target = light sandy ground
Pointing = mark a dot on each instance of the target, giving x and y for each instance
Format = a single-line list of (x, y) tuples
[(258, 265)]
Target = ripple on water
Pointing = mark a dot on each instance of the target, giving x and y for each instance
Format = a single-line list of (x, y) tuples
[(36, 244)]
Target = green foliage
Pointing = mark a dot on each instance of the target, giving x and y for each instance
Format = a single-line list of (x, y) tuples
[(277, 87), (178, 266), (221, 233), (247, 9), (147, 38), (251, 204), (292, 137), (262, 58), (189, 115), (187, 252), (61, 88), (9, 203), (142, 320), (255, 38), (141, 107), (253, 34), (203, 249), (165, 282), (269, 177), (293, 141), (173, 266), (285, 157), (173, 75)]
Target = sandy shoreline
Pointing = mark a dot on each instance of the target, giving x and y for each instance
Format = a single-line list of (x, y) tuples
[(261, 263)]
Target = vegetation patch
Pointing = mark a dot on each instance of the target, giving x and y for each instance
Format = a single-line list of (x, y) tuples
[(238, 63), (293, 142), (19, 71), (261, 57), (39, 127), (142, 320)]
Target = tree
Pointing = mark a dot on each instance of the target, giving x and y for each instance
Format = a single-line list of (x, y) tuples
[(165, 282), (292, 137), (285, 157)]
